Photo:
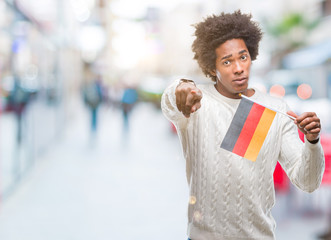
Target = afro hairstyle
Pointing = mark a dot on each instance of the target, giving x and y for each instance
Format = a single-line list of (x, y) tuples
[(217, 29)]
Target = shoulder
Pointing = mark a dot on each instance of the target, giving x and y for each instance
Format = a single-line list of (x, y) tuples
[(208, 90), (205, 86), (274, 102)]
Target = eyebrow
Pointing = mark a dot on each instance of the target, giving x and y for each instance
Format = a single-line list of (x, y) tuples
[(227, 56), (230, 55)]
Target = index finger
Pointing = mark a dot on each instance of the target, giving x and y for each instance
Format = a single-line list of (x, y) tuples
[(194, 97), (304, 116)]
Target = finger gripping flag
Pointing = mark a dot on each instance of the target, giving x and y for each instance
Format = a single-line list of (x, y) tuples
[(248, 129)]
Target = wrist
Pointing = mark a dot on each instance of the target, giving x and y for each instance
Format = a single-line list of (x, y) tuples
[(183, 80), (311, 139), (314, 141)]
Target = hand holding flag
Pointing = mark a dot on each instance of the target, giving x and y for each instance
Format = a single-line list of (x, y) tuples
[(309, 124)]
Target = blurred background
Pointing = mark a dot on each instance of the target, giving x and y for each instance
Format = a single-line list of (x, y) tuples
[(85, 152)]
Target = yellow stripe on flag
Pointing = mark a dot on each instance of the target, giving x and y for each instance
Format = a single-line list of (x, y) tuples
[(260, 134)]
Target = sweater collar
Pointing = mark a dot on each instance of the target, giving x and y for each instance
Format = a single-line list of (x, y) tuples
[(231, 101)]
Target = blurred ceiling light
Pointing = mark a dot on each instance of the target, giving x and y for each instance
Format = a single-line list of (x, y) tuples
[(277, 91), (92, 38), (304, 91), (129, 43)]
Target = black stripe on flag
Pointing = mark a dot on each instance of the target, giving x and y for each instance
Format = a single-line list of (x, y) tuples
[(237, 124)]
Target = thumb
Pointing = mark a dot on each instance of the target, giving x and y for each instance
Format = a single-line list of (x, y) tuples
[(196, 94)]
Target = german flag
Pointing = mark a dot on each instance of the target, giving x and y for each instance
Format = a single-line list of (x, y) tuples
[(248, 129)]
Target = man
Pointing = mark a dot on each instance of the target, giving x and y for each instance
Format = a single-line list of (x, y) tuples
[(231, 197)]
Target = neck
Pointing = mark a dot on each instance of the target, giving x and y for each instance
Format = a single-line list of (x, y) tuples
[(248, 92)]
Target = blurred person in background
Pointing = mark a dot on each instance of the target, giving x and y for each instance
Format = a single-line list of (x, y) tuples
[(129, 99), (93, 97), (18, 100), (230, 196)]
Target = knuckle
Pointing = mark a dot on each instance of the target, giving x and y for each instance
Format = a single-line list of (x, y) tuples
[(187, 105)]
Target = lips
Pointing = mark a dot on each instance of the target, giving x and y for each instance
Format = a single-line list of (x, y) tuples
[(240, 80)]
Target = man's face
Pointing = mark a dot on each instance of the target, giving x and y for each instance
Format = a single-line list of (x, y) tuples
[(233, 64)]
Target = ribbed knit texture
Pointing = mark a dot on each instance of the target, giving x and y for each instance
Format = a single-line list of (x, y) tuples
[(233, 196)]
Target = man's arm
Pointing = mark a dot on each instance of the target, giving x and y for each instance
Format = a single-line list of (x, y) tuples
[(303, 163)]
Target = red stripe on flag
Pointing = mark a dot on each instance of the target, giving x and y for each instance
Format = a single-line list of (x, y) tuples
[(248, 129)]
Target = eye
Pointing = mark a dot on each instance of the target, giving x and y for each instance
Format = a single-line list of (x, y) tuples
[(244, 57), (226, 63)]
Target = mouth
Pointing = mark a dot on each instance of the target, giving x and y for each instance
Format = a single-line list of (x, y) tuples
[(240, 80)]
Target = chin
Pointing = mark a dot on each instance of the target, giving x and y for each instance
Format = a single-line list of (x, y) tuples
[(241, 90)]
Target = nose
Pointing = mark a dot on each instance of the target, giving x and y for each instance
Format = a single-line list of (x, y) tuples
[(238, 68)]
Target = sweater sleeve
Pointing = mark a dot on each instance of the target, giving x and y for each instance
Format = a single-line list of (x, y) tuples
[(303, 162), (169, 107)]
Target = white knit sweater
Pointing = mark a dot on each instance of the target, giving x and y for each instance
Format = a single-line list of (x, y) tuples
[(231, 197)]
